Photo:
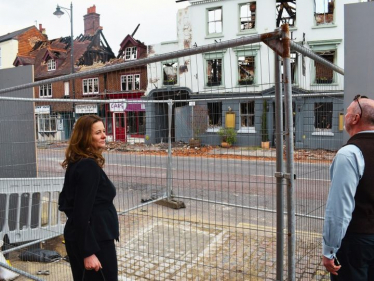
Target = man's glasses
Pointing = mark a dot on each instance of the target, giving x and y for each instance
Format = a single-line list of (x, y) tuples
[(356, 98)]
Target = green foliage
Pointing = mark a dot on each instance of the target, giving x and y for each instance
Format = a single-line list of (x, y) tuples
[(264, 130), (228, 135)]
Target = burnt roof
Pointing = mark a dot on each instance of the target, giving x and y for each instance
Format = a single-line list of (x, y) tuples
[(60, 50), (14, 34)]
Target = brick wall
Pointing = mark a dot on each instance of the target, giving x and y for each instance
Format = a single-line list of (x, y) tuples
[(27, 40)]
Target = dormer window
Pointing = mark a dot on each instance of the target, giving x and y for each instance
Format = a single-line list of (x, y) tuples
[(130, 53), (51, 65)]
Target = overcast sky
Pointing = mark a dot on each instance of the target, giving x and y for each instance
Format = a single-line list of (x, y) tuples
[(118, 18)]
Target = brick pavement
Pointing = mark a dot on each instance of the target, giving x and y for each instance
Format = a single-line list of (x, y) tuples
[(175, 250)]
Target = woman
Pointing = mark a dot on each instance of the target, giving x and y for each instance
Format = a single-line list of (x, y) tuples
[(87, 200)]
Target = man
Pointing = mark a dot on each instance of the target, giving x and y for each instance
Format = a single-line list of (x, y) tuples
[(348, 233)]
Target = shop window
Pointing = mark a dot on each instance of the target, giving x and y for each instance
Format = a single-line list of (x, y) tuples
[(45, 91), (214, 116), (323, 116), (247, 16), (214, 21), (90, 86), (324, 12), (285, 12), (47, 123)]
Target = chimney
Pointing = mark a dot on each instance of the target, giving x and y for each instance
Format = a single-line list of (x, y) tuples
[(41, 29), (91, 21)]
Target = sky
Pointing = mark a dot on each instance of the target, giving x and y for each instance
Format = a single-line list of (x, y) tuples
[(157, 18)]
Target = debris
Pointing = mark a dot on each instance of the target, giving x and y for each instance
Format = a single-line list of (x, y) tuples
[(40, 255)]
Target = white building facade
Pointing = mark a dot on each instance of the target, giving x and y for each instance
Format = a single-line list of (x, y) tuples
[(248, 71)]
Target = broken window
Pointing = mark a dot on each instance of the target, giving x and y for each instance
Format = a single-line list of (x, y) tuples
[(247, 16), (323, 115), (214, 114), (246, 70), (324, 13), (90, 86), (130, 82), (293, 59), (170, 70), (324, 74), (45, 90), (215, 20), (214, 72), (286, 12), (247, 114), (130, 53), (137, 82), (51, 64)]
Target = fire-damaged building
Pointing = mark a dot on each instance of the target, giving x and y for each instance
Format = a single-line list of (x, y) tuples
[(244, 76), (52, 58), (126, 120)]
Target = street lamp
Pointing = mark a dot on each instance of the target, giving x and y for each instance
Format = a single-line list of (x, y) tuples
[(59, 13)]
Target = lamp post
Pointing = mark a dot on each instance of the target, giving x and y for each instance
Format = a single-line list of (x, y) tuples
[(59, 13)]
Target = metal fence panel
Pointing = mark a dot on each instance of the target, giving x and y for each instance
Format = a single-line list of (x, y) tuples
[(166, 148)]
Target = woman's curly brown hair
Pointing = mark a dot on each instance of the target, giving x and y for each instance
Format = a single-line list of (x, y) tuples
[(80, 144)]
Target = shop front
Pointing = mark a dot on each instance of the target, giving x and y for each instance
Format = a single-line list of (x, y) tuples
[(125, 120)]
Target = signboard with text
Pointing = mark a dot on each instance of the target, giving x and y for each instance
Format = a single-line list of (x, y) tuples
[(43, 109), (85, 108), (117, 106)]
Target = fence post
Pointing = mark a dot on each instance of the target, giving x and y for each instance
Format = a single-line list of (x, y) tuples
[(170, 164), (287, 82), (279, 166)]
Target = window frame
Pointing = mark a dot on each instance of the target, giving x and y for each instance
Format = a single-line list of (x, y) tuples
[(66, 88), (284, 19), (45, 90), (214, 34), (323, 131), (252, 29), (126, 82), (324, 46), (42, 118), (137, 81), (214, 128), (247, 129), (51, 65), (247, 51), (214, 56), (90, 82), (168, 83), (324, 23), (129, 51)]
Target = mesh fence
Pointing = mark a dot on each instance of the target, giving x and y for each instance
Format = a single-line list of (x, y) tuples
[(195, 180)]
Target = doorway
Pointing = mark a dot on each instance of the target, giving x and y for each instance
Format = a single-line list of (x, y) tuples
[(120, 126)]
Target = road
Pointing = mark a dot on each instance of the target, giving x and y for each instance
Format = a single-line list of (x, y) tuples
[(248, 184)]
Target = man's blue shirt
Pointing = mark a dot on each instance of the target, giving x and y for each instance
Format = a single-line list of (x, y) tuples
[(346, 171)]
